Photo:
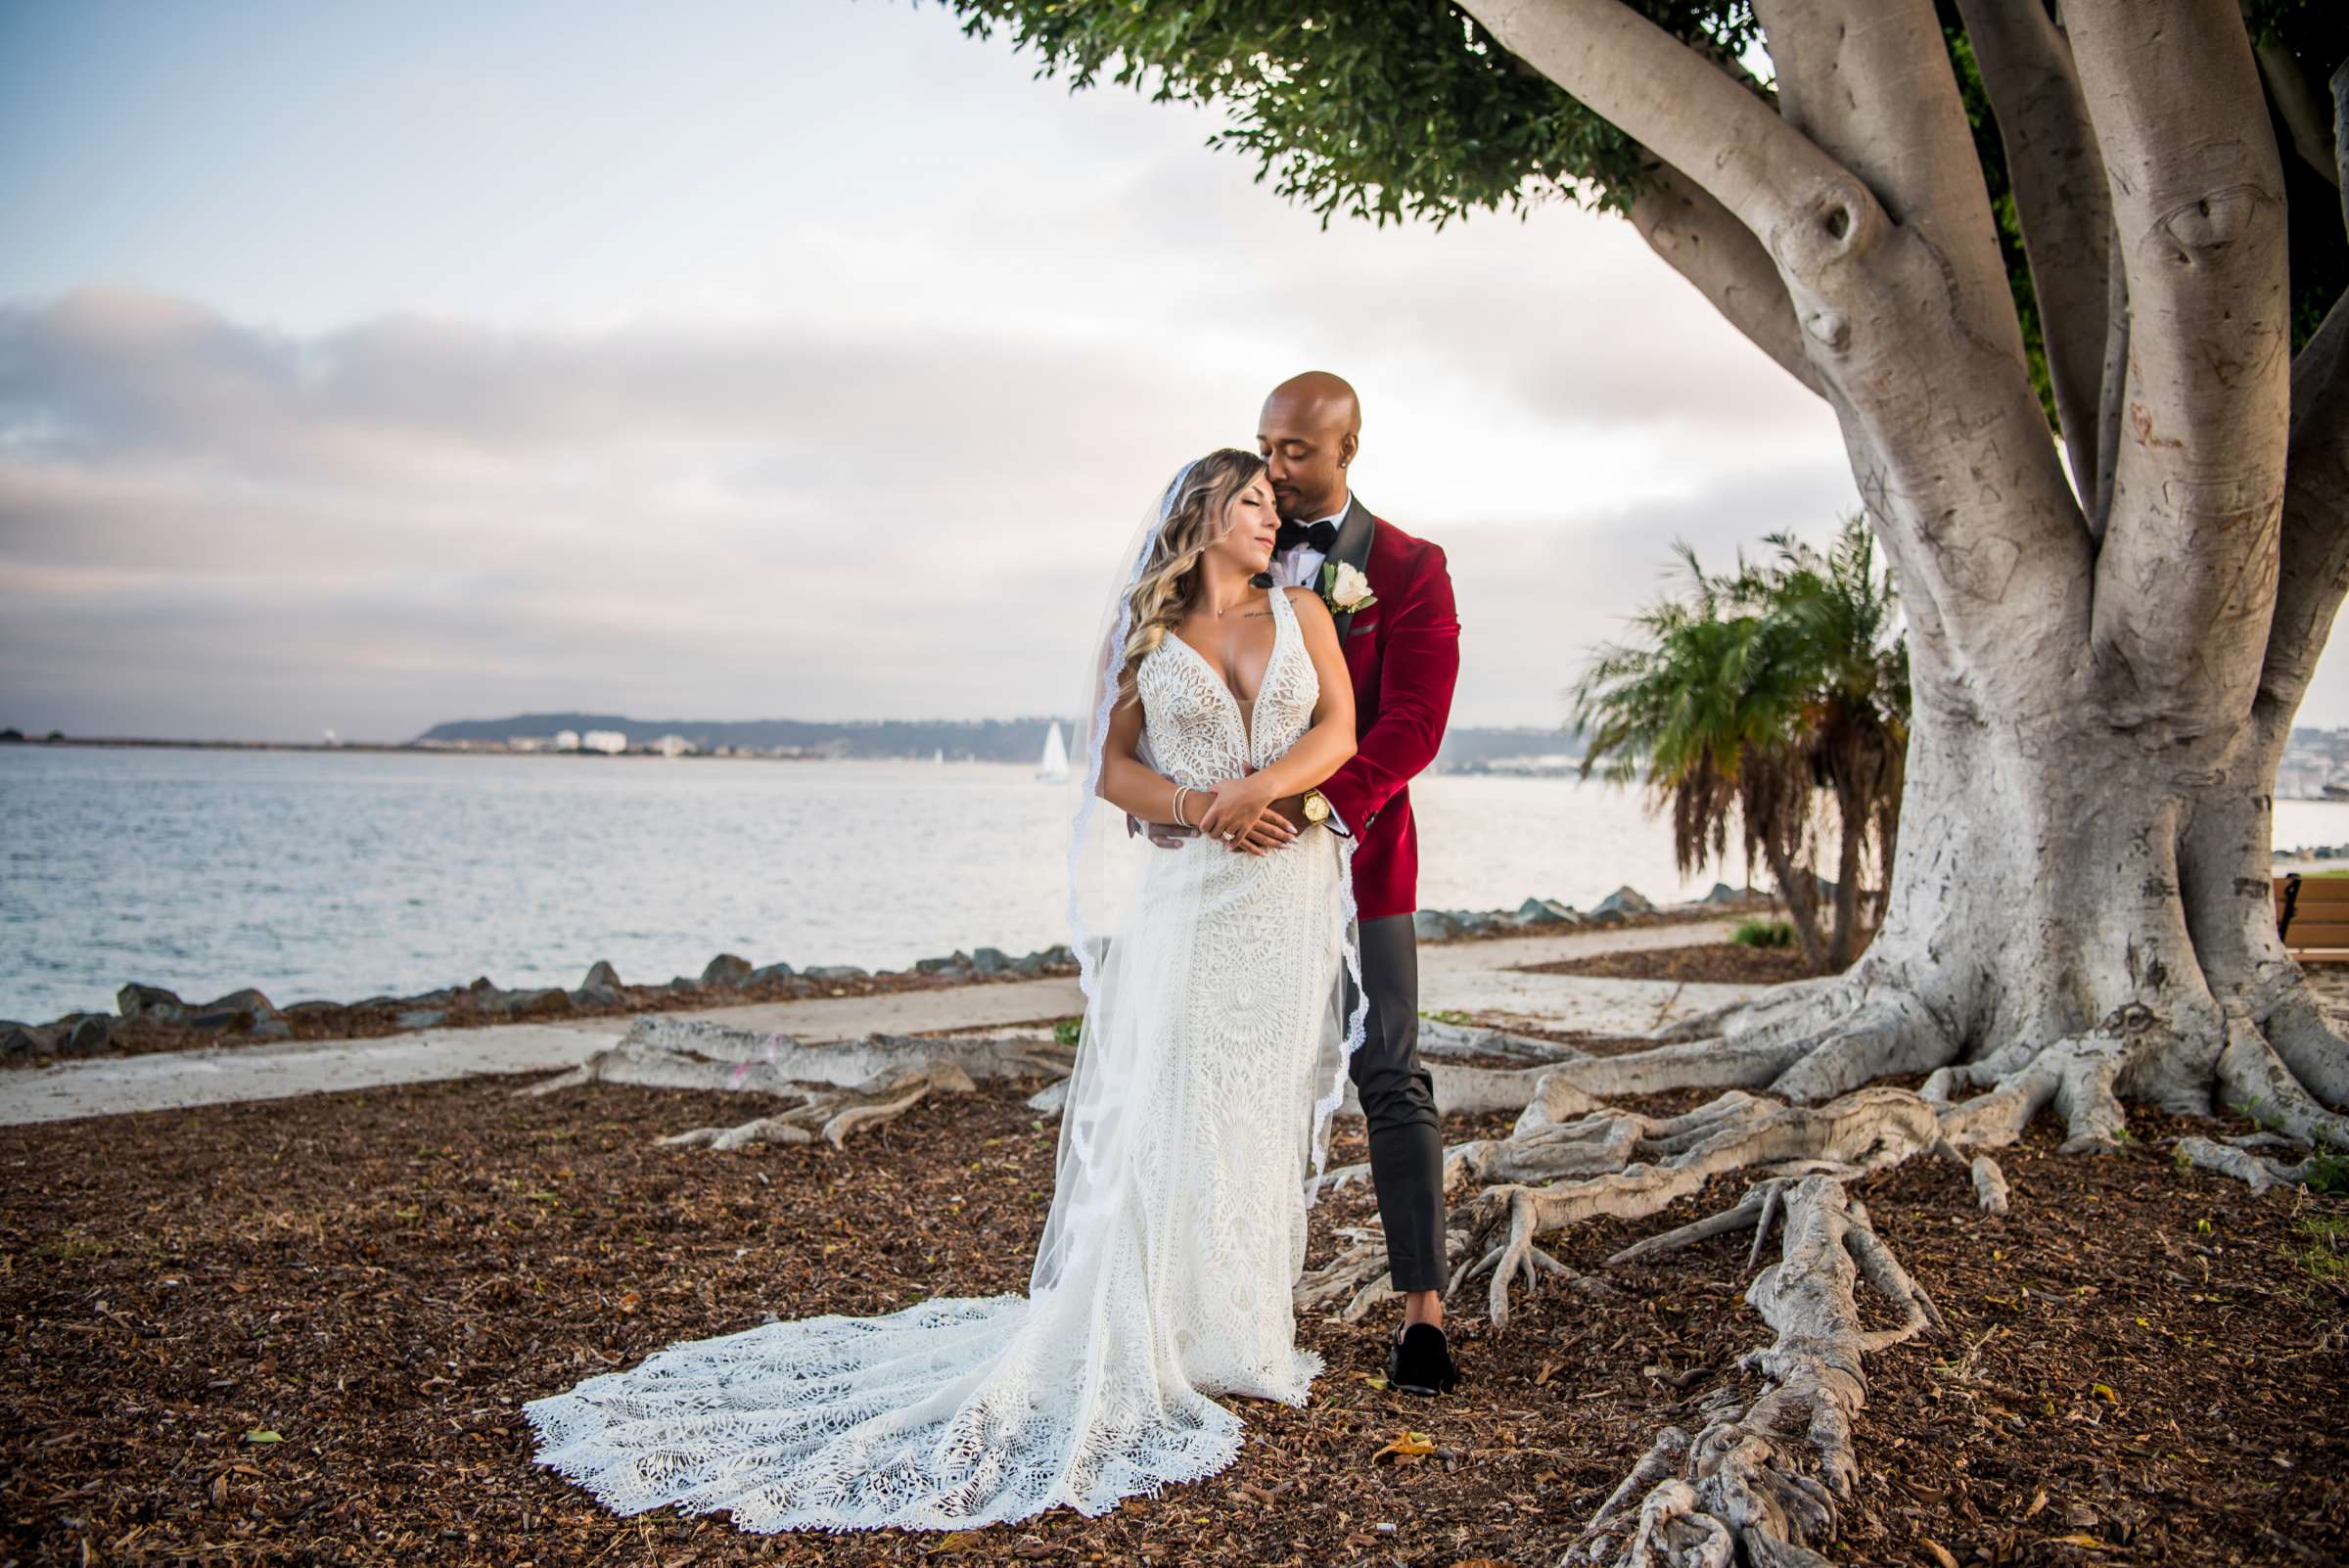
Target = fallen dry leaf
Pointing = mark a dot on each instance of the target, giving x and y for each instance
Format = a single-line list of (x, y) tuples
[(1407, 1446)]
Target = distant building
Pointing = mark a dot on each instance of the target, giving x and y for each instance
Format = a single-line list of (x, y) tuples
[(610, 741), (567, 740), (675, 746), (1550, 765), (527, 743), (2315, 766)]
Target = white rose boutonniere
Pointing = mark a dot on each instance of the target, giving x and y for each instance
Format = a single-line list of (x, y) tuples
[(1345, 589)]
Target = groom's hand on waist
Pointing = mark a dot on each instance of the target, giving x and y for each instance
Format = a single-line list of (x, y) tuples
[(1165, 835)]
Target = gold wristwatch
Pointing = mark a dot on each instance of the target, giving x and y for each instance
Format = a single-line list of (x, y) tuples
[(1315, 806)]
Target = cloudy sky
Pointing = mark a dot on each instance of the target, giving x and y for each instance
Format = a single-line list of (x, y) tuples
[(367, 366)]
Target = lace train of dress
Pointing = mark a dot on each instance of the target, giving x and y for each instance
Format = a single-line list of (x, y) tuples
[(1167, 1282)]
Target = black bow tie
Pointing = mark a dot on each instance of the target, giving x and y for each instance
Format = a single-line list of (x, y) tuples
[(1321, 535)]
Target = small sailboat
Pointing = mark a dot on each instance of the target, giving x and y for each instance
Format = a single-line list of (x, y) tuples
[(1054, 769), (941, 759)]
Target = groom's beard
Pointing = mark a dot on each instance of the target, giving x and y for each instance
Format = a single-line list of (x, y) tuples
[(1291, 509)]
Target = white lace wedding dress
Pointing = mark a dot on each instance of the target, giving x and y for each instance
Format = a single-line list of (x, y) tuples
[(1166, 1272)]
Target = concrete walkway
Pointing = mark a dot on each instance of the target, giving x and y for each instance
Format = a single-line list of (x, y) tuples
[(164, 1080), (1482, 978)]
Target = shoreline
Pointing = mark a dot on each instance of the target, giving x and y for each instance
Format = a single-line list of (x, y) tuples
[(412, 747), (150, 1019), (2285, 859)]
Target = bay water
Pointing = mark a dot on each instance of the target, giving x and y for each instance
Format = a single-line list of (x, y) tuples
[(345, 874)]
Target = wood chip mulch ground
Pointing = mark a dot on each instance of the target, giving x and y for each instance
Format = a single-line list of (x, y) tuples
[(300, 1332)]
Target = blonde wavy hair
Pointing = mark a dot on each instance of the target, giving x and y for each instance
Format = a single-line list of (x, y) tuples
[(1168, 583)]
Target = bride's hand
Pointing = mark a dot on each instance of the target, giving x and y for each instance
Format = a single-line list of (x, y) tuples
[(1237, 805)]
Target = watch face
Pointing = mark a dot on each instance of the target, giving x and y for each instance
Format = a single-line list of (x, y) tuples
[(1315, 808)]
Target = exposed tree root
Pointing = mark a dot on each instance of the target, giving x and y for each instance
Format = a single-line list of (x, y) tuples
[(1889, 1033), (2077, 1076), (1598, 1160), (1808, 1039), (1745, 1062), (1440, 1039), (2255, 1080), (835, 1114), (1570, 1157), (1357, 1276), (832, 1091), (1762, 1480), (1801, 1004), (1658, 1469), (1474, 1091), (2314, 1051), (1463, 1089), (1990, 1182), (1660, 1162), (2235, 1160)]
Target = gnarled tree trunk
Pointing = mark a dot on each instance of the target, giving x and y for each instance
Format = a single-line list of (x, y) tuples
[(2103, 666)]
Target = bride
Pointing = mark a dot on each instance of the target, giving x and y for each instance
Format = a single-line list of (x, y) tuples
[(1192, 1136)]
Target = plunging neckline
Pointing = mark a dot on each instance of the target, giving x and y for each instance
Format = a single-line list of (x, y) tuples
[(1243, 710)]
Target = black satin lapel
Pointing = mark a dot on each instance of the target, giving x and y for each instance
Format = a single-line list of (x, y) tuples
[(1352, 547)]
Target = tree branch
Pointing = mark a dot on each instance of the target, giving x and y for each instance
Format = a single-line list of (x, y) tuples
[(2302, 110), (2060, 197), (2186, 580), (2313, 554), (1916, 346), (1872, 86), (1704, 243), (1948, 439), (1809, 211), (2313, 568)]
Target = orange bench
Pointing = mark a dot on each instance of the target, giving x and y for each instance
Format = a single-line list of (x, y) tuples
[(2312, 916)]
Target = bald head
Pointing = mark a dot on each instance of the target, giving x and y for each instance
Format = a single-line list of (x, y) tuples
[(1308, 433)]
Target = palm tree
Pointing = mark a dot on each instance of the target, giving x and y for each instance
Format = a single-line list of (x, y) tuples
[(1752, 694), (1854, 732)]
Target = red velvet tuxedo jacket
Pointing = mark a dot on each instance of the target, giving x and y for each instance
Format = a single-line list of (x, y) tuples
[(1404, 653)]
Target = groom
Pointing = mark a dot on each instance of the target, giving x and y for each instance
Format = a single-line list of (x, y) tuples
[(1403, 650)]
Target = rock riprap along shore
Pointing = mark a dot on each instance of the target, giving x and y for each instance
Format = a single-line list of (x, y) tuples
[(150, 1018), (1625, 906)]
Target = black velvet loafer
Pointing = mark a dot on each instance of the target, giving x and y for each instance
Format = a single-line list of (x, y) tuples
[(1419, 1361)]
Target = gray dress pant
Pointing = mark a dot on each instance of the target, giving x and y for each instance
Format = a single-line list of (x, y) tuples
[(1398, 1101)]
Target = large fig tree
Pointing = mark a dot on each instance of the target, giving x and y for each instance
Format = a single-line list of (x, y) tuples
[(2046, 269), (2070, 281)]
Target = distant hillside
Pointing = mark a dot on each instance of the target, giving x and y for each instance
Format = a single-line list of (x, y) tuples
[(985, 740), (1474, 751)]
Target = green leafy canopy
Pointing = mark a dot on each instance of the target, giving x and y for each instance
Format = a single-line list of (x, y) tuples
[(1406, 109), (1383, 109)]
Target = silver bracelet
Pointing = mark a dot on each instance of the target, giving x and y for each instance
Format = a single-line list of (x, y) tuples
[(1180, 790)]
